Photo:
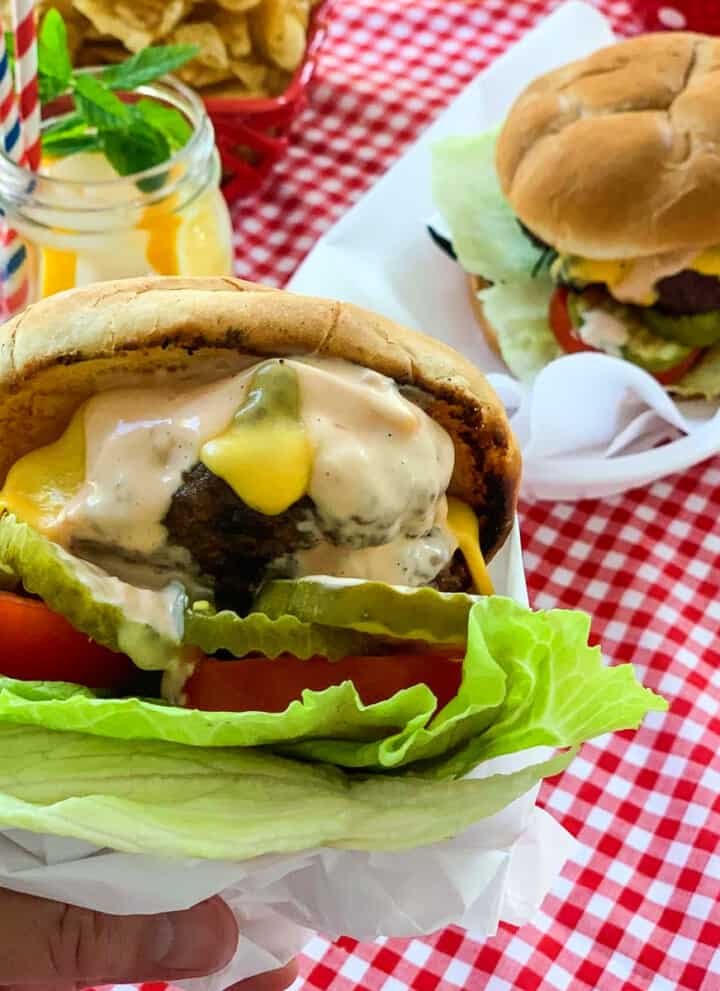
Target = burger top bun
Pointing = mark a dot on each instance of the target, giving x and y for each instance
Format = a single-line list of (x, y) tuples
[(618, 155), (64, 349)]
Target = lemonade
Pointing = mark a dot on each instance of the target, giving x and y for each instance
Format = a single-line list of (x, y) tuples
[(129, 182), (153, 239)]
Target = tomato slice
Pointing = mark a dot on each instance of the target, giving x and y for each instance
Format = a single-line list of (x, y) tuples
[(562, 326), (258, 684), (674, 374), (569, 340), (40, 645)]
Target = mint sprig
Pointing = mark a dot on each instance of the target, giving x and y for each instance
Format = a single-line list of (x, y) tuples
[(134, 136)]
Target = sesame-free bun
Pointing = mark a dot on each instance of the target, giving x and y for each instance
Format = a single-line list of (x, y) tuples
[(618, 155), (61, 351), (475, 284)]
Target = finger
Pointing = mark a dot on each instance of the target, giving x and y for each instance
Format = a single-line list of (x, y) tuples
[(273, 980), (45, 942)]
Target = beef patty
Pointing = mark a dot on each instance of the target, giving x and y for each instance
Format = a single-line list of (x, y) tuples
[(235, 544), (688, 292)]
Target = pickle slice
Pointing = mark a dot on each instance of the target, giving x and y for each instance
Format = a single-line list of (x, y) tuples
[(371, 607), (144, 624), (241, 635)]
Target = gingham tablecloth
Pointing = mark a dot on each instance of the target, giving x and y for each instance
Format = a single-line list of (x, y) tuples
[(639, 909)]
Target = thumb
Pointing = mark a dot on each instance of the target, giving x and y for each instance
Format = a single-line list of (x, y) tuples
[(46, 942)]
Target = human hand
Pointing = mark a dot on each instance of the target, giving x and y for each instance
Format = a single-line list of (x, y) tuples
[(47, 946)]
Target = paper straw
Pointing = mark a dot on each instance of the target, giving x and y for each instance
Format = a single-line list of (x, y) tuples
[(9, 115), (26, 82), (14, 280)]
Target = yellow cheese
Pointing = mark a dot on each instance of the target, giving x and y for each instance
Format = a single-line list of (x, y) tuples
[(463, 523), (708, 263), (266, 464), (594, 270), (265, 455), (40, 484)]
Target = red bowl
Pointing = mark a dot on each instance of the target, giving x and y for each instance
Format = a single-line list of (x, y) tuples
[(252, 135)]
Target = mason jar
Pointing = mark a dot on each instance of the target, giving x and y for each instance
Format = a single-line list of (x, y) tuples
[(79, 222)]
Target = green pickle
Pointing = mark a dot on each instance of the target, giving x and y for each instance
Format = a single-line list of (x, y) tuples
[(698, 330), (241, 635), (651, 351), (74, 588), (371, 607)]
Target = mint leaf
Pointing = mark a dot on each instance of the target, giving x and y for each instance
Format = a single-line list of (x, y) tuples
[(147, 65), (98, 106), (70, 135), (72, 142), (167, 120), (131, 151), (54, 62)]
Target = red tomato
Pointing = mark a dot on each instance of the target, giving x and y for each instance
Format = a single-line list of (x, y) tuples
[(40, 645), (568, 339), (562, 325), (257, 684), (677, 371)]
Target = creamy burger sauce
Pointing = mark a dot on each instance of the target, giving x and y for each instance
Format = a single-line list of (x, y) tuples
[(377, 458), (638, 284)]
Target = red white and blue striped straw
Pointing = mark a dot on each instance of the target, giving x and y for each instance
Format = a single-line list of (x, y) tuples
[(14, 275), (26, 82), (9, 116)]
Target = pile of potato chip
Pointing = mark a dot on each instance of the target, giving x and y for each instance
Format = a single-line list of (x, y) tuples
[(248, 48)]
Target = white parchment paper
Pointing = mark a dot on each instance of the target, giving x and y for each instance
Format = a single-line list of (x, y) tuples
[(590, 424)]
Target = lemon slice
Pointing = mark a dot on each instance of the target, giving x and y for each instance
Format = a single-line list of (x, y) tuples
[(204, 239)]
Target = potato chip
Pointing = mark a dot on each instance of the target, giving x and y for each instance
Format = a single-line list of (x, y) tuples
[(101, 53), (238, 6), (279, 33), (136, 25), (235, 32), (251, 74), (213, 53)]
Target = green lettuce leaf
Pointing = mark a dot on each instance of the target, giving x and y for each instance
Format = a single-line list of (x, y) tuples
[(371, 607), (518, 311), (489, 242), (529, 679), (241, 635), (230, 804), (485, 233), (106, 609)]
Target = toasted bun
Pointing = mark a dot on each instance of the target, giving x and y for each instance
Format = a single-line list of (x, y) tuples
[(68, 347), (616, 155), (475, 284)]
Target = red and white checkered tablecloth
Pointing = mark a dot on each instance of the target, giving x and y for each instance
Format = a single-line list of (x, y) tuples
[(639, 908)]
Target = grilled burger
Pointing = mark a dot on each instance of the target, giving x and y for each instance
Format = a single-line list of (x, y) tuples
[(606, 209)]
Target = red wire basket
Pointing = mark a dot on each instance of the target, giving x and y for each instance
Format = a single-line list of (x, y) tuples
[(252, 135)]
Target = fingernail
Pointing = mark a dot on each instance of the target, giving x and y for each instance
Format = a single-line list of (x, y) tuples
[(197, 942)]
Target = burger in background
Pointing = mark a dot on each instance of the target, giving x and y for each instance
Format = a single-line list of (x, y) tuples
[(591, 220)]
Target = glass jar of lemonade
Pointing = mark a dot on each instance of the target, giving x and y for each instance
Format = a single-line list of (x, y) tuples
[(81, 222)]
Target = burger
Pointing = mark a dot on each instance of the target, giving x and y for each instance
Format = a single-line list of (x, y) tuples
[(590, 221), (238, 518)]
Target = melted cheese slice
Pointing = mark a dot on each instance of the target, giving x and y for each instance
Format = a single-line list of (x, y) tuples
[(267, 464), (41, 483), (463, 523), (708, 263)]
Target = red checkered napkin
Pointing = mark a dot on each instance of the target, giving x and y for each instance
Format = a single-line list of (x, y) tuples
[(639, 910)]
